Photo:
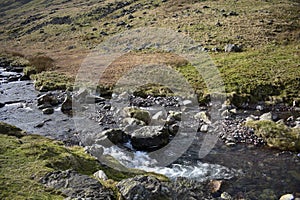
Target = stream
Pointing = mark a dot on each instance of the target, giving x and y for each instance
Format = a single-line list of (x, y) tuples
[(258, 172)]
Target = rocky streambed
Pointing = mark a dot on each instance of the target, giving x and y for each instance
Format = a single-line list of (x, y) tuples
[(140, 132)]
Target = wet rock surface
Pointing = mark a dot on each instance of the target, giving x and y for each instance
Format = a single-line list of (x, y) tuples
[(76, 186)]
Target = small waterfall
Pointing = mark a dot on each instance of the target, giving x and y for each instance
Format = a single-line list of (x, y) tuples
[(197, 171)]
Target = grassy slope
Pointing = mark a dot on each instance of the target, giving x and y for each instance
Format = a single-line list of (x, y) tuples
[(268, 30)]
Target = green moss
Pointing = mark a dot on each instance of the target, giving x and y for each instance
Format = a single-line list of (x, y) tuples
[(277, 135)]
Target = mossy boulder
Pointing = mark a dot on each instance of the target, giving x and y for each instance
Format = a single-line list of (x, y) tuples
[(137, 113), (277, 135), (8, 129)]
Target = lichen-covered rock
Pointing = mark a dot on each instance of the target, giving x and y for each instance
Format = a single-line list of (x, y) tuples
[(277, 135), (149, 138), (75, 185), (184, 188), (137, 113), (143, 187)]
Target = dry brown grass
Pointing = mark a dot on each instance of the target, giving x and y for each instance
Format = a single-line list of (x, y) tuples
[(127, 62)]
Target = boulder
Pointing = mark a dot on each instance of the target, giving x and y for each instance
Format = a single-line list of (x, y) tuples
[(137, 113), (75, 185), (143, 187), (116, 136), (149, 138), (66, 106)]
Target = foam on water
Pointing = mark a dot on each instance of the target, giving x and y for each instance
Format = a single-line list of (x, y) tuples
[(198, 171)]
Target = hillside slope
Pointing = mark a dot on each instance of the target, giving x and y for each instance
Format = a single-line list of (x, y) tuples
[(66, 30)]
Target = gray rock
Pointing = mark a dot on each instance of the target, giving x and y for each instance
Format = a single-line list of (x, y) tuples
[(143, 187), (266, 116), (75, 185), (204, 128), (187, 102), (100, 175), (232, 48), (48, 111), (187, 189), (149, 138), (159, 117)]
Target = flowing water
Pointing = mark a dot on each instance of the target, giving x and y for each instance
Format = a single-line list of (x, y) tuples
[(247, 169)]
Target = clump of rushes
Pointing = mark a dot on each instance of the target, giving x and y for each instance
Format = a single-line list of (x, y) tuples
[(49, 80)]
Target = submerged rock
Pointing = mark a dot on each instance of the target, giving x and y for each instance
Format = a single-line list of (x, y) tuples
[(149, 138)]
